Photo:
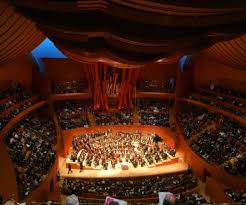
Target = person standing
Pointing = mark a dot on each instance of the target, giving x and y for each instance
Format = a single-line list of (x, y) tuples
[(69, 169), (81, 166)]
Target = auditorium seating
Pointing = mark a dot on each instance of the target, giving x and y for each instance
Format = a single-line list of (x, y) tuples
[(156, 86), (190, 198), (154, 112), (13, 101), (31, 148), (130, 187), (123, 117), (72, 114), (11, 91), (236, 196), (74, 86), (216, 138), (219, 104)]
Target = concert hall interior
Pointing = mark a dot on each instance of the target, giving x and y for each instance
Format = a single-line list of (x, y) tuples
[(143, 101)]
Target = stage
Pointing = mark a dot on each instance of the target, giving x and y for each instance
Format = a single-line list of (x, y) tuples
[(179, 166), (170, 165)]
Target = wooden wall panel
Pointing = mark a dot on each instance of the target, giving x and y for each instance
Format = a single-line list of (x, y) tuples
[(19, 70), (207, 69), (19, 35), (157, 71), (64, 69)]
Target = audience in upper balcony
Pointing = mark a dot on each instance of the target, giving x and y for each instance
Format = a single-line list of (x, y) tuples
[(15, 94), (73, 114), (10, 107), (237, 196), (154, 112), (130, 187), (217, 90), (123, 117), (74, 86), (4, 119), (215, 138), (31, 149), (220, 105), (167, 86), (12, 90), (108, 150)]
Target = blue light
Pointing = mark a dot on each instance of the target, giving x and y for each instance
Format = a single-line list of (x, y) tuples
[(46, 49), (183, 62)]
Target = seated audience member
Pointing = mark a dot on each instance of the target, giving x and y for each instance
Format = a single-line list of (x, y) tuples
[(167, 86), (130, 187), (30, 146), (4, 119), (72, 114), (219, 104), (74, 86), (154, 112), (237, 196), (216, 138), (113, 118)]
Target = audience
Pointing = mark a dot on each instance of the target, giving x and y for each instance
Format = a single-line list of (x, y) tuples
[(167, 86), (227, 91), (215, 138), (72, 114), (190, 198), (13, 101), (30, 146), (123, 117), (237, 196), (130, 187), (221, 106), (13, 90), (154, 112), (108, 150), (74, 86), (7, 117)]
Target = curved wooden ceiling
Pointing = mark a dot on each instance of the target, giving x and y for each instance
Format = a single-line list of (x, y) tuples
[(18, 35), (131, 33), (231, 53)]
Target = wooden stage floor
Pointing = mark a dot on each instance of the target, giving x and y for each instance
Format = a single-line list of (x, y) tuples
[(116, 173)]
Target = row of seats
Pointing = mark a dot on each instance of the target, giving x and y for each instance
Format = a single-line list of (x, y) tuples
[(156, 86), (219, 104), (72, 114), (226, 91), (123, 117), (130, 187), (14, 100), (11, 91), (185, 198), (216, 138), (31, 148), (236, 196), (74, 86)]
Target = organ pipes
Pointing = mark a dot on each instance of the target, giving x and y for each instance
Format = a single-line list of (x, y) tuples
[(105, 81)]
